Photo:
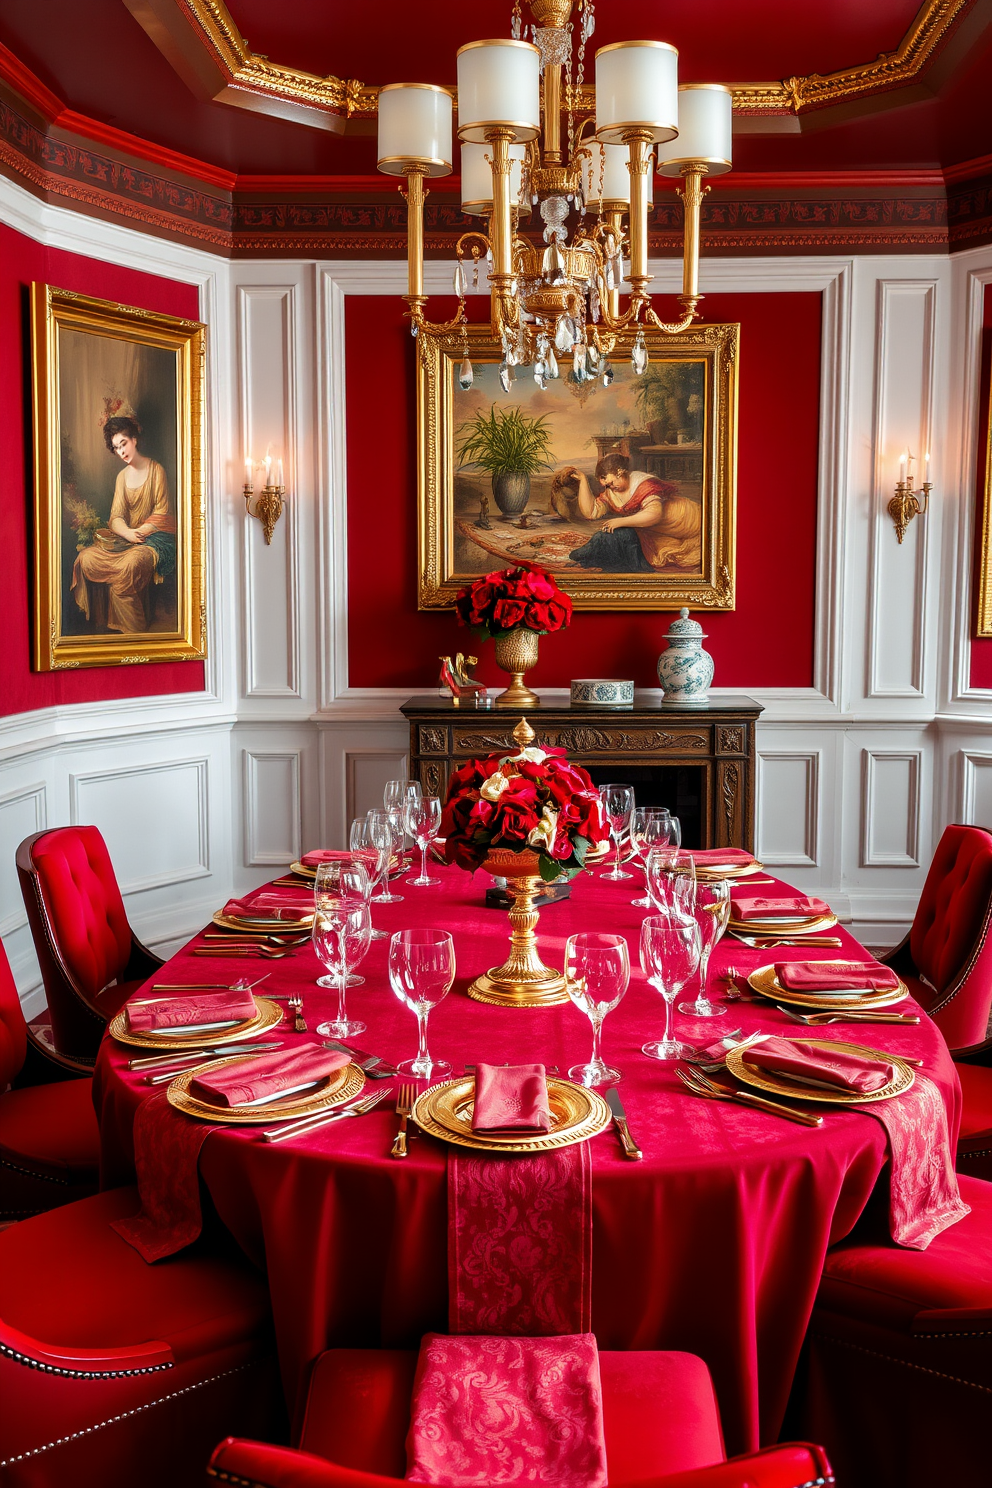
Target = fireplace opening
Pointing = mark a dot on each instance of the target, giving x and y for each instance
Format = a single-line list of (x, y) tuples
[(679, 787)]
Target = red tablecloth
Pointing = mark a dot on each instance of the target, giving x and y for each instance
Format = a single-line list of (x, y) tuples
[(713, 1244)]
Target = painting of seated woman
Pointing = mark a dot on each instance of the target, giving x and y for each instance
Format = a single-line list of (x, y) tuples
[(119, 483), (623, 486)]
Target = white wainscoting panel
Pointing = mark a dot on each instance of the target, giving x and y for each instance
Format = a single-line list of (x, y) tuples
[(788, 818), (890, 808), (22, 812), (904, 352), (366, 774), (976, 788), (153, 818), (273, 806)]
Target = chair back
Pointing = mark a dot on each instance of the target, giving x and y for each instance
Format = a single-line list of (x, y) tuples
[(80, 928), (950, 941), (13, 1032)]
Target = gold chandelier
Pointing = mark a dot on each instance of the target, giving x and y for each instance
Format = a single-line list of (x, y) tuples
[(562, 294)]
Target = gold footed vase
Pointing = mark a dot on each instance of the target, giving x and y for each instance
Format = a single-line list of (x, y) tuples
[(523, 980), (516, 653)]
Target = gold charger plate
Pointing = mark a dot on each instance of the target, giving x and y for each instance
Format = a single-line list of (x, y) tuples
[(264, 923), (303, 871), (341, 1086), (767, 983), (786, 928), (732, 872), (445, 1111), (267, 1015), (783, 1085)]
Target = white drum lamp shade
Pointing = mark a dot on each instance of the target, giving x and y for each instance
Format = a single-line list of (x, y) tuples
[(499, 87), (605, 176), (414, 128), (705, 129), (477, 177), (637, 88)]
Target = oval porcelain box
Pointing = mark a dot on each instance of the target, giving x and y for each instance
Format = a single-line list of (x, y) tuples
[(603, 692)]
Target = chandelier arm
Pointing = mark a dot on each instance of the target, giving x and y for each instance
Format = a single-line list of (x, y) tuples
[(433, 327), (638, 142), (692, 192)]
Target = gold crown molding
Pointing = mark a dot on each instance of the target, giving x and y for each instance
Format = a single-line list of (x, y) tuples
[(253, 73)]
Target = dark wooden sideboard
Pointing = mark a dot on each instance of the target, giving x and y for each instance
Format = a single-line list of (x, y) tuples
[(697, 760)]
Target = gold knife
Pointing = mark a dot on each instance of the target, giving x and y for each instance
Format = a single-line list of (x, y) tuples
[(630, 1147)]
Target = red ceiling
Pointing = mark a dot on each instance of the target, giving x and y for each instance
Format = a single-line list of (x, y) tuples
[(98, 59)]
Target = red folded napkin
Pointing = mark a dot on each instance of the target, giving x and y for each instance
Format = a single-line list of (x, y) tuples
[(507, 1411), (511, 1098), (180, 1012), (237, 1084), (268, 905), (836, 976), (757, 908), (337, 855), (715, 857), (810, 1062)]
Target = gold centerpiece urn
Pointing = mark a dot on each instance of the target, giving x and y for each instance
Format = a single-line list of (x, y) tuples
[(515, 606), (516, 652), (507, 815)]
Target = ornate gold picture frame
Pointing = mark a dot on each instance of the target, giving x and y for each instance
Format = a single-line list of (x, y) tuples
[(118, 397), (629, 492)]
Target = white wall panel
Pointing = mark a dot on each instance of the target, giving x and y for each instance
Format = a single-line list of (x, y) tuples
[(273, 806), (22, 812), (976, 788), (890, 808), (153, 818), (788, 808)]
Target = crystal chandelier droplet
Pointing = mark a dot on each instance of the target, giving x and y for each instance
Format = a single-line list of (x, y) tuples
[(639, 355), (466, 376)]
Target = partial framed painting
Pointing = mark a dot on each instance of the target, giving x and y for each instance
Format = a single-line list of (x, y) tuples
[(626, 492), (118, 483), (983, 615)]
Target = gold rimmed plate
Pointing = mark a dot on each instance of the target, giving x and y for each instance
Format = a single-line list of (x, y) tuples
[(266, 924), (786, 926), (302, 871), (777, 1084), (445, 1111), (343, 1085), (732, 872), (767, 983), (267, 1015)]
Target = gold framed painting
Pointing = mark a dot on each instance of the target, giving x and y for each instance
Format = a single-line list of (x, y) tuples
[(118, 398), (626, 492)]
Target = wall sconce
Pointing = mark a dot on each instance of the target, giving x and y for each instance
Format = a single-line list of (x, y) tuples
[(268, 506), (907, 503)]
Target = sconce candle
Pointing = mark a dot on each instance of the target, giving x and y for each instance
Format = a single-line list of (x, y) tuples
[(268, 506), (907, 503)]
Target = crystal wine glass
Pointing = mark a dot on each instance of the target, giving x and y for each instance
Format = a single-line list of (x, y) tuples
[(342, 931), (597, 971), (423, 822), (651, 826), (376, 861), (618, 803), (386, 835), (421, 971), (341, 878), (669, 955), (712, 914), (671, 881), (395, 797)]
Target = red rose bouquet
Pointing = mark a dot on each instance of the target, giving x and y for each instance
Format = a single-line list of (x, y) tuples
[(531, 801), (514, 596)]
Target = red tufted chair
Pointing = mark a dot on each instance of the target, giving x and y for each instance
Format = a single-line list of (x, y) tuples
[(660, 1416), (91, 960), (896, 1376), (114, 1372), (946, 959), (49, 1141)]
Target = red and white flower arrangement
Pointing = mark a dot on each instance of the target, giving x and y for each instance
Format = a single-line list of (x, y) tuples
[(532, 801), (510, 597)]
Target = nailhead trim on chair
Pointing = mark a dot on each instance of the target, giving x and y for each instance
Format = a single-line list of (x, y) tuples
[(30, 1173), (920, 1368), (10, 1353), (238, 1482), (124, 1415)]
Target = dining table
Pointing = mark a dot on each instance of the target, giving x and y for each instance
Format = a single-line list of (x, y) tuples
[(713, 1243)]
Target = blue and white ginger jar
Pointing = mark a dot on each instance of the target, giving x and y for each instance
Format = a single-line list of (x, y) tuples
[(685, 670)]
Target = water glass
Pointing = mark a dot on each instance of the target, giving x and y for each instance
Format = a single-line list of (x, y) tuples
[(423, 822), (597, 971), (342, 931), (651, 826), (618, 803), (395, 798), (670, 951), (342, 878), (712, 914), (375, 859), (386, 835), (421, 971), (671, 881)]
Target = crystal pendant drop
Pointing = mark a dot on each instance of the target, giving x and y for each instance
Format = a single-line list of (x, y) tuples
[(639, 355), (579, 362), (564, 335), (611, 282), (475, 273), (459, 279), (594, 303), (607, 375), (505, 376), (592, 356), (540, 372), (413, 332), (466, 376), (552, 364)]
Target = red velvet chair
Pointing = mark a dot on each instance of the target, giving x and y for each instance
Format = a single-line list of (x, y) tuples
[(660, 1416), (91, 960), (946, 959), (49, 1141), (897, 1371), (114, 1372)]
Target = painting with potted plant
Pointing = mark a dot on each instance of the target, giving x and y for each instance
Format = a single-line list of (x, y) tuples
[(534, 801)]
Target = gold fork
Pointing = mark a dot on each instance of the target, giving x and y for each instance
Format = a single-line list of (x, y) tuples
[(698, 1084), (296, 1008), (308, 1124), (404, 1105)]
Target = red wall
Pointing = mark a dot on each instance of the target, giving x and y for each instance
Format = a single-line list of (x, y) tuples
[(21, 261), (981, 651), (766, 642)]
